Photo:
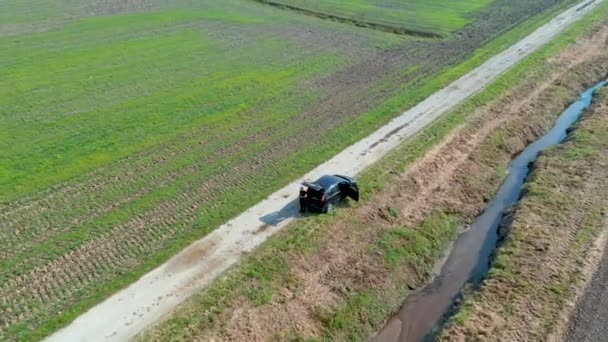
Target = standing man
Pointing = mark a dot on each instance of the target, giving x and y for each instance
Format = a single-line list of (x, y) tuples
[(303, 194)]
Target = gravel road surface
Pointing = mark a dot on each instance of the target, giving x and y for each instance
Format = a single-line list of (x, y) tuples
[(589, 321), (126, 313)]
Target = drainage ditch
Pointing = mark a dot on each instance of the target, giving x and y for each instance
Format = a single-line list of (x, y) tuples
[(469, 260)]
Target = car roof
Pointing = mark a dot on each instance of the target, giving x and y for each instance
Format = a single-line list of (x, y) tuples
[(327, 181)]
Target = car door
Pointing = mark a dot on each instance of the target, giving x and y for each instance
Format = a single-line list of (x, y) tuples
[(353, 191)]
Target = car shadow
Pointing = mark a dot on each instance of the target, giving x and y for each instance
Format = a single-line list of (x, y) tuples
[(291, 210)]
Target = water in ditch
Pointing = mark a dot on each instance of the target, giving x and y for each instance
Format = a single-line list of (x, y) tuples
[(469, 259)]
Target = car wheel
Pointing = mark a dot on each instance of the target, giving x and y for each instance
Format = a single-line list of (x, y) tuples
[(329, 208)]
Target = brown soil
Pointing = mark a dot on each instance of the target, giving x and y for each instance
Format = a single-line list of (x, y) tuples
[(456, 177), (191, 256)]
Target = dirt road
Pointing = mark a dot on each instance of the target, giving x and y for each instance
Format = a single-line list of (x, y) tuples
[(126, 313), (589, 321)]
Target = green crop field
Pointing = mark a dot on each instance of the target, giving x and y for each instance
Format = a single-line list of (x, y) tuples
[(438, 17), (128, 129)]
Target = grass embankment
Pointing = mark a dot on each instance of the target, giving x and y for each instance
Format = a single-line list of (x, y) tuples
[(539, 268), (339, 277), (419, 17), (131, 134)]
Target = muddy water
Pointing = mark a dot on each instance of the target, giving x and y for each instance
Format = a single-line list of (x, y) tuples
[(469, 259)]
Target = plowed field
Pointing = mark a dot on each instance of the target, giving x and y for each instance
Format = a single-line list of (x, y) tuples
[(129, 129)]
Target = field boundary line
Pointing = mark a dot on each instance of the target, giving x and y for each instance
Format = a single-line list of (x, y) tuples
[(359, 23)]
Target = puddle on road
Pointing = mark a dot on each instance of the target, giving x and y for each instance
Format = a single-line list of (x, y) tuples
[(469, 260)]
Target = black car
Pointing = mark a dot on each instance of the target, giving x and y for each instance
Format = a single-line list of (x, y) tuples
[(324, 193)]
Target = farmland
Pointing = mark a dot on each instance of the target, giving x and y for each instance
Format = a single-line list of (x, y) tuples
[(131, 129), (435, 17), (340, 277)]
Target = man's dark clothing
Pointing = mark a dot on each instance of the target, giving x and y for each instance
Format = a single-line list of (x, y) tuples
[(302, 201)]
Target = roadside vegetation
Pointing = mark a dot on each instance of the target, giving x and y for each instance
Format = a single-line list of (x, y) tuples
[(543, 261), (131, 129), (339, 277)]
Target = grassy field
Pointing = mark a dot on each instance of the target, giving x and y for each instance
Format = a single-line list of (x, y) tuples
[(435, 17), (540, 267), (339, 277), (129, 129)]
